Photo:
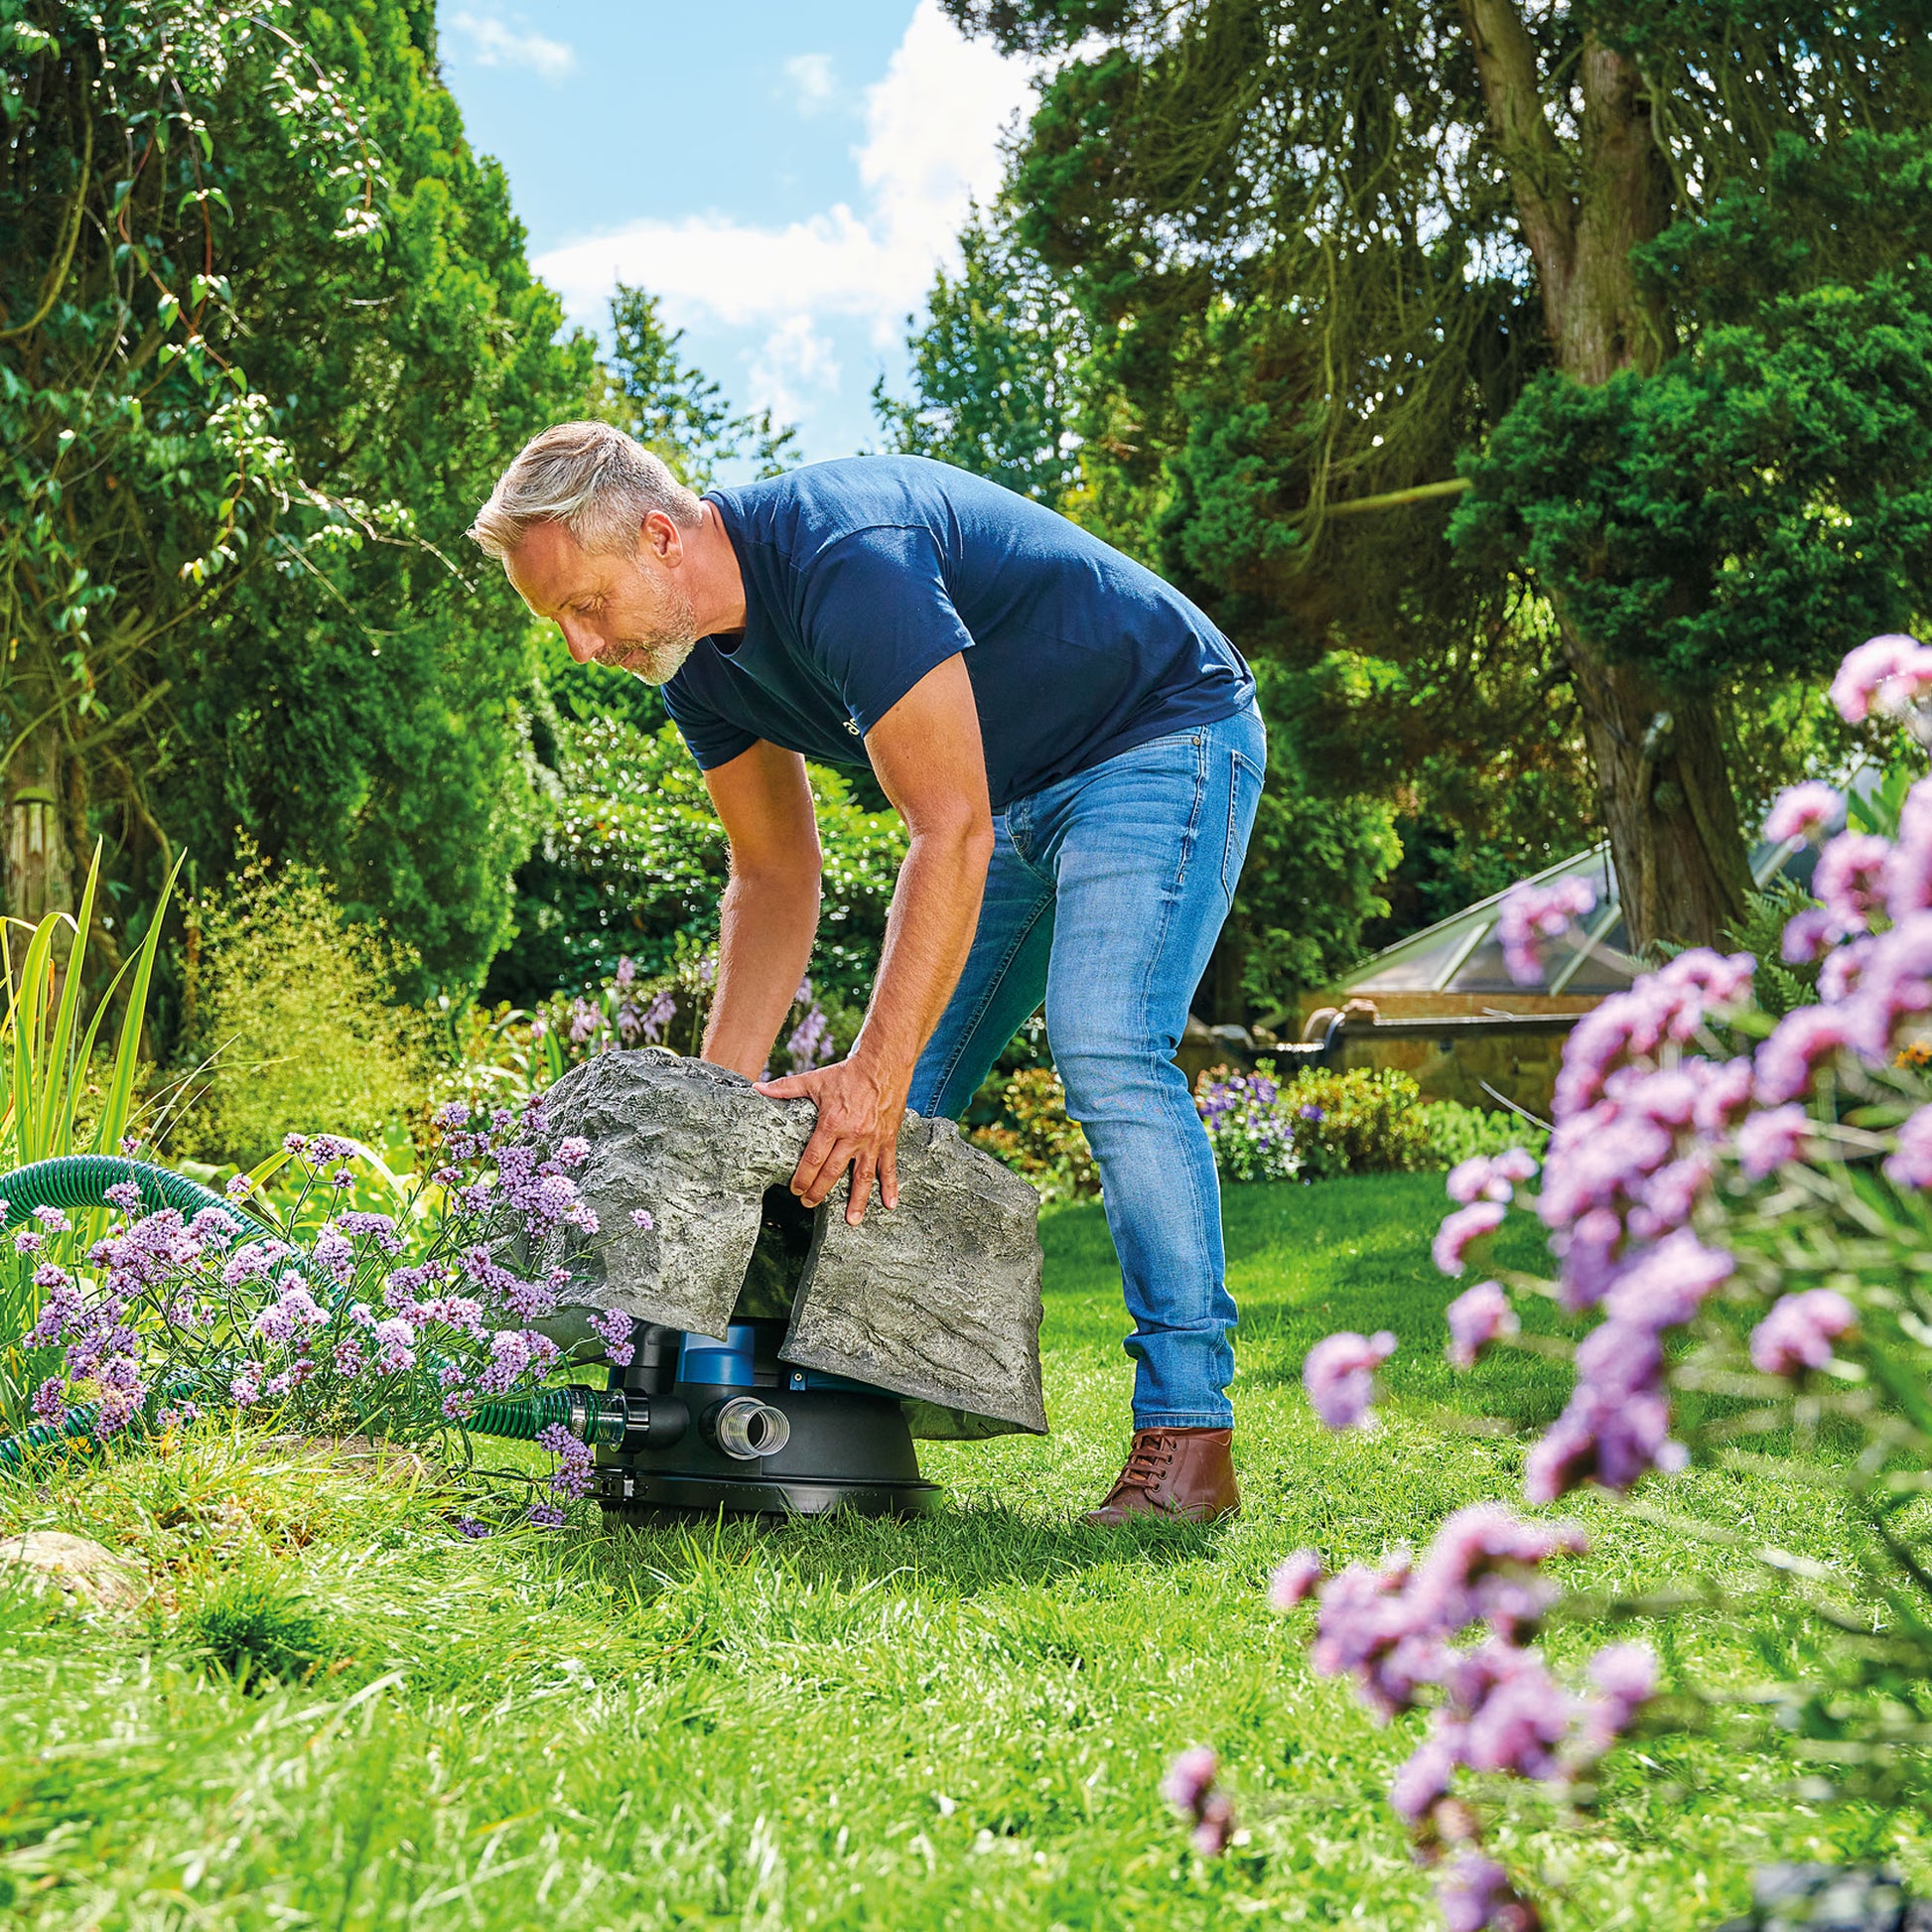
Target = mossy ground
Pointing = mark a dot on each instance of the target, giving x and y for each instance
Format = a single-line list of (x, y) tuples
[(339, 1712)]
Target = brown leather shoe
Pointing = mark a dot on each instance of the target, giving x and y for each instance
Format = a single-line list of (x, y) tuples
[(1185, 1473)]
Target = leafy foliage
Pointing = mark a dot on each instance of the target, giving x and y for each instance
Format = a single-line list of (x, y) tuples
[(1458, 1133), (269, 334), (291, 1019), (996, 369), (1322, 258), (674, 408), (1036, 1140), (634, 862)]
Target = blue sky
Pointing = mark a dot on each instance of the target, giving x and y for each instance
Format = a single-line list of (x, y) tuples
[(784, 177)]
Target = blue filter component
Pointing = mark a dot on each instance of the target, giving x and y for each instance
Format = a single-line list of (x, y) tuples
[(723, 1364)]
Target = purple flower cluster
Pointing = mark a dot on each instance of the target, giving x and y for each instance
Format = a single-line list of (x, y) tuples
[(1495, 1706), (1531, 915), (1339, 1376), (1890, 675), (1475, 1895), (1478, 1316), (1805, 811), (810, 1042), (1799, 1331), (1191, 1787), (573, 1474), (1251, 1127), (343, 1321), (614, 1329), (1690, 1180)]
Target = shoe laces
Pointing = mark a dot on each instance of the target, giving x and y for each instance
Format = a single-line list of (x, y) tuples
[(1149, 1460)]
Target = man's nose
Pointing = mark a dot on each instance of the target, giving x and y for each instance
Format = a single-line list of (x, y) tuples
[(581, 640)]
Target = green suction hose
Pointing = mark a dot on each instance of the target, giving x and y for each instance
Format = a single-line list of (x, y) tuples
[(83, 1180)]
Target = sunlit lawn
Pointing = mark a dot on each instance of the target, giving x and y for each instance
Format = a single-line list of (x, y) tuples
[(958, 1721)]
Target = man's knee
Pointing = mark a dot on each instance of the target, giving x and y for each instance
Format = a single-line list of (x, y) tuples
[(1107, 1075)]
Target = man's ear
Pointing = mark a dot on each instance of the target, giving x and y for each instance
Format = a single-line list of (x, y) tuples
[(662, 538)]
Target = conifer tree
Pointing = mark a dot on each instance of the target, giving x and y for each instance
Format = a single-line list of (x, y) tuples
[(1654, 274)]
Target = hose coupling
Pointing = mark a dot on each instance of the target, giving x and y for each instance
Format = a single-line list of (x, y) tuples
[(746, 1429), (622, 1420)]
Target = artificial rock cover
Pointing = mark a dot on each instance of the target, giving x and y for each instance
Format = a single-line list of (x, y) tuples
[(938, 1301)]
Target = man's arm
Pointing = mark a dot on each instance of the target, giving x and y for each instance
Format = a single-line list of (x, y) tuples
[(926, 751), (771, 905)]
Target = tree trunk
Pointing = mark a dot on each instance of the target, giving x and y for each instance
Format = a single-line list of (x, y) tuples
[(1663, 794), (38, 867), (1663, 781)]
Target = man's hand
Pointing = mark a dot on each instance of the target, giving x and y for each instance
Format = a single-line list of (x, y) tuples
[(859, 1117)]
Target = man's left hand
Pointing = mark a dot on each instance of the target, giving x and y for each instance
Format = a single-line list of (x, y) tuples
[(860, 1112)]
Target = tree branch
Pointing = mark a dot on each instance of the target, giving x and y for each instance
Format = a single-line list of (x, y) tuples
[(1506, 64)]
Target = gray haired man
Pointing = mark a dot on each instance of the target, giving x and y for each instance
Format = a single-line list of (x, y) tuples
[(1077, 756)]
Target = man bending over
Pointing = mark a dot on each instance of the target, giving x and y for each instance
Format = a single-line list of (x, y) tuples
[(1077, 756)]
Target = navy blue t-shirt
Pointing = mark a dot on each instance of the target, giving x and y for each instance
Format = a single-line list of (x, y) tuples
[(864, 574)]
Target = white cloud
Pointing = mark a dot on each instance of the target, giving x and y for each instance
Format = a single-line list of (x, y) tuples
[(933, 130), (795, 357), (812, 84), (495, 43)]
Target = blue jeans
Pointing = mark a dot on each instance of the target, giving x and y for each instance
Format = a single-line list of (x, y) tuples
[(1105, 895)]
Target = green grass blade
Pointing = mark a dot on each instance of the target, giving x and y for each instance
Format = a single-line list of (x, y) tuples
[(120, 1087), (60, 1079)]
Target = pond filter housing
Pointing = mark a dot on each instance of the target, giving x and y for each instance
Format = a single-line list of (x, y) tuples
[(704, 1424)]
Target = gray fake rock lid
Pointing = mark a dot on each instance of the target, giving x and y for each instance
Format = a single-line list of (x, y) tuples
[(938, 1301)]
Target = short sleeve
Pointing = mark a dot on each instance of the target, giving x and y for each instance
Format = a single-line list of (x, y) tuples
[(709, 735), (876, 617)]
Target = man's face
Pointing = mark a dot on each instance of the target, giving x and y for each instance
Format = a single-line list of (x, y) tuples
[(627, 611)]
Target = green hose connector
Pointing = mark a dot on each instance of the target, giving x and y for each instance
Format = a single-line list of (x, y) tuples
[(83, 1180)]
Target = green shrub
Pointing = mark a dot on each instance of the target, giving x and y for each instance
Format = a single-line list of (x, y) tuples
[(1458, 1133), (1318, 1124), (634, 862), (1036, 1139), (290, 1013)]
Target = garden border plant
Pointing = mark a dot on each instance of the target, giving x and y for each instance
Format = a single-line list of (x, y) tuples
[(1744, 1204)]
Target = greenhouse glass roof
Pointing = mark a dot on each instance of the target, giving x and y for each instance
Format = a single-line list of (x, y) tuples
[(1462, 955)]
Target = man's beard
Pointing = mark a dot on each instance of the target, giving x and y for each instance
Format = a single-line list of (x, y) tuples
[(674, 637), (655, 662)]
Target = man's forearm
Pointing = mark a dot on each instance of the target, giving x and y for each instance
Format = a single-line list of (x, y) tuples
[(928, 933), (766, 922)]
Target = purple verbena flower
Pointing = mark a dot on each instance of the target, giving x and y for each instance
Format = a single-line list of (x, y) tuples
[(1770, 1140), (1294, 1580), (1799, 1331), (615, 1329), (1803, 811), (1339, 1373), (1909, 1164), (1475, 1895), (1531, 914), (1888, 675), (1849, 878), (1623, 1677), (1461, 1230), (1788, 1060), (1478, 1316)]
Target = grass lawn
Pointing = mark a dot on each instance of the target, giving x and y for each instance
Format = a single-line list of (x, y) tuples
[(958, 1721)]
